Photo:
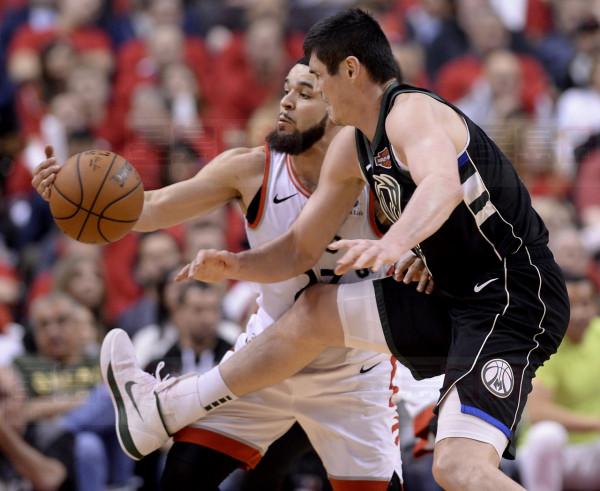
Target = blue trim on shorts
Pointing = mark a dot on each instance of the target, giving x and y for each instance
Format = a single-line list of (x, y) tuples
[(473, 411), (463, 158)]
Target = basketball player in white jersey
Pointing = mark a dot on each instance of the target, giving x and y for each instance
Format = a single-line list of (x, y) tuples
[(272, 183)]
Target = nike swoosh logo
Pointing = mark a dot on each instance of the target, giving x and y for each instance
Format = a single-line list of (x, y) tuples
[(478, 288), (277, 200), (365, 370), (122, 425), (128, 387)]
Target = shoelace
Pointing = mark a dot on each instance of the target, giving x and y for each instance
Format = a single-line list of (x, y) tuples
[(168, 381)]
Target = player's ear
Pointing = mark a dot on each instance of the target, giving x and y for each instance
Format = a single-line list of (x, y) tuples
[(352, 66)]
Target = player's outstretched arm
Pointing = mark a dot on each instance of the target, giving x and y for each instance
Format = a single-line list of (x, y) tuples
[(427, 142), (299, 249), (223, 179), (219, 182)]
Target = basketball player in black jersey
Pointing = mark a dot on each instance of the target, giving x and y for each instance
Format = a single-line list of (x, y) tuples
[(453, 198)]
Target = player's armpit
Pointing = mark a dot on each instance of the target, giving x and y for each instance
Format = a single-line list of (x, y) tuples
[(235, 174)]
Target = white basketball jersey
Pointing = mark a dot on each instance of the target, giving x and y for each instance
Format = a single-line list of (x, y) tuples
[(282, 198)]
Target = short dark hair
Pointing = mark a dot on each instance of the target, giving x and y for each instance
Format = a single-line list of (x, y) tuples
[(352, 32), (188, 286)]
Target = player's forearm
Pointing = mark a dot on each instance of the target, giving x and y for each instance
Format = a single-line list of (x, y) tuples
[(163, 209), (430, 206), (275, 261), (149, 219), (46, 474), (550, 411)]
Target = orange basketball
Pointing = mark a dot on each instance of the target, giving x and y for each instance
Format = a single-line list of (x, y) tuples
[(97, 197)]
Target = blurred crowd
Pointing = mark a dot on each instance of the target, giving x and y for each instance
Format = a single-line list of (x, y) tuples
[(169, 84)]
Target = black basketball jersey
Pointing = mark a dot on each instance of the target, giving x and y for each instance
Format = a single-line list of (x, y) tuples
[(494, 220)]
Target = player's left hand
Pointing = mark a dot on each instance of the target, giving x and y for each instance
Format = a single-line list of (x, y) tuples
[(363, 253), (210, 266)]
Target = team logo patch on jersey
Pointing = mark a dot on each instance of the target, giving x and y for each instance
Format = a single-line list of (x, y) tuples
[(498, 377), (387, 190), (382, 159)]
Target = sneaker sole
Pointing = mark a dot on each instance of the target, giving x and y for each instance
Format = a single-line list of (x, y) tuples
[(123, 433)]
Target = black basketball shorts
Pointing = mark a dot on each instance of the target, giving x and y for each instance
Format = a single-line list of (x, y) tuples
[(488, 341)]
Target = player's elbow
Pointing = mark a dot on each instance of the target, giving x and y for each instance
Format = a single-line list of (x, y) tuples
[(305, 259)]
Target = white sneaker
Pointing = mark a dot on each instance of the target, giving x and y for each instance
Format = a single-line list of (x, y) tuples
[(139, 424)]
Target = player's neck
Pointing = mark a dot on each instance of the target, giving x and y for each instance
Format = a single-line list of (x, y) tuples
[(307, 165), (367, 111)]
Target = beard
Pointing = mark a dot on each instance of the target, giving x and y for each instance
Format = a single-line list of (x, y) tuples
[(298, 141)]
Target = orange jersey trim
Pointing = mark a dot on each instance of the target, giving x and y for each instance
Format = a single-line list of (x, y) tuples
[(240, 451), (348, 485), (264, 189), (295, 181)]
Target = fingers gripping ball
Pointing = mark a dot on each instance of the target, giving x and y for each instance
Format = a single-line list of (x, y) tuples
[(97, 197)]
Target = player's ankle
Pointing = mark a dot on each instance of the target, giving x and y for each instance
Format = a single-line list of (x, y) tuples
[(191, 397)]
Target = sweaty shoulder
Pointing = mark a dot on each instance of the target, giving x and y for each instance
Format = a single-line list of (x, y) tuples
[(419, 115), (242, 169), (246, 161)]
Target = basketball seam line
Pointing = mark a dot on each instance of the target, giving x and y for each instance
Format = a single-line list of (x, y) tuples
[(98, 222), (79, 208), (96, 197)]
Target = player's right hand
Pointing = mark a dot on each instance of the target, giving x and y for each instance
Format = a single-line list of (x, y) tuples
[(410, 269), (211, 266), (45, 173)]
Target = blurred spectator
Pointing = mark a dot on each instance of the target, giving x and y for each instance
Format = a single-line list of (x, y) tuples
[(577, 117), (434, 26), (74, 22), (184, 163), (11, 342), (152, 340), (144, 60), (572, 253), (562, 448), (59, 377), (530, 146), (158, 254), (62, 383), (565, 50), (92, 86), (495, 97), (259, 60), (148, 134), (197, 316), (586, 192), (81, 277), (204, 233), (487, 34), (557, 215), (30, 459), (411, 58)]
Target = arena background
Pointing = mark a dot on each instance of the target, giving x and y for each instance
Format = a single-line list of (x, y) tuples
[(169, 84)]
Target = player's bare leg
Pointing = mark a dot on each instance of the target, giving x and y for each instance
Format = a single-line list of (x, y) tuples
[(301, 334), (148, 410), (464, 464)]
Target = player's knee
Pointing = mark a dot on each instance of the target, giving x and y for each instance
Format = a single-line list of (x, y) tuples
[(453, 470)]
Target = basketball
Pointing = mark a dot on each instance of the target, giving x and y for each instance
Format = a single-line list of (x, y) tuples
[(97, 197)]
